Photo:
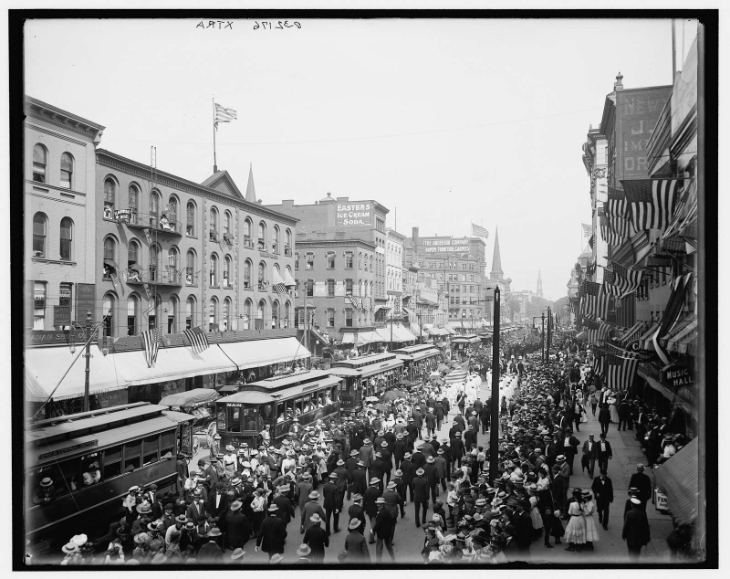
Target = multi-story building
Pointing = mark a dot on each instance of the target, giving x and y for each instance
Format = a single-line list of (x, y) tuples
[(177, 254), (60, 238), (394, 258), (455, 267), (345, 219), (335, 282), (595, 160)]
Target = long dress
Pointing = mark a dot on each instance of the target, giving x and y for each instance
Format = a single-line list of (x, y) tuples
[(535, 514), (575, 532), (591, 532), (613, 410)]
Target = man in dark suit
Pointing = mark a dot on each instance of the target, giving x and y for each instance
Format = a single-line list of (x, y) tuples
[(457, 449), (440, 414), (602, 488), (431, 475), (351, 466), (636, 530), (286, 507), (399, 449), (642, 482), (383, 531), (420, 496), (412, 431), (272, 535), (329, 493), (485, 416), (418, 458), (377, 467), (603, 452), (356, 511), (470, 438), (588, 458), (369, 498), (409, 473), (570, 447), (218, 503)]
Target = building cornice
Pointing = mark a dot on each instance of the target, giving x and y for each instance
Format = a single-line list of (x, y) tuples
[(55, 116), (334, 243), (112, 160)]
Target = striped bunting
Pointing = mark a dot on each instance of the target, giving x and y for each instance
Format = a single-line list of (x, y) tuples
[(627, 280), (151, 341), (621, 372), (198, 340), (455, 377), (594, 302), (652, 201), (618, 213)]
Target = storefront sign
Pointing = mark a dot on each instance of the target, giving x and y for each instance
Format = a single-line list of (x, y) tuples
[(52, 337), (61, 316), (85, 302), (662, 501), (356, 213), (445, 245), (677, 377)]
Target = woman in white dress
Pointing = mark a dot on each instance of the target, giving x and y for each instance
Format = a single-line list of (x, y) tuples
[(613, 409), (534, 511), (589, 507), (575, 532)]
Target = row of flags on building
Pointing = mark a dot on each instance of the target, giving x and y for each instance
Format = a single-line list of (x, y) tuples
[(151, 340)]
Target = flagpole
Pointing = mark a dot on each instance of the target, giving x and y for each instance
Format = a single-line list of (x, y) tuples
[(215, 163)]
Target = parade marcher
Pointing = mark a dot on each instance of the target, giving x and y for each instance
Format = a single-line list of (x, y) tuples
[(604, 453), (570, 446), (317, 539), (602, 488), (588, 458), (382, 530), (356, 511), (643, 483), (272, 535), (211, 552), (369, 505), (331, 508), (420, 496), (408, 471), (311, 507), (356, 546), (636, 530), (238, 527), (604, 418)]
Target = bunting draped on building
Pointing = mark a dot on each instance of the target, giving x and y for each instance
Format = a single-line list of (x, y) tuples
[(652, 201), (198, 340), (151, 340), (620, 372), (618, 213), (597, 332), (594, 302), (609, 283), (607, 233), (625, 279), (353, 301)]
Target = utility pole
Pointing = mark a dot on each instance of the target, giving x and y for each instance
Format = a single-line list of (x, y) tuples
[(494, 419), (549, 332), (87, 355), (543, 337)]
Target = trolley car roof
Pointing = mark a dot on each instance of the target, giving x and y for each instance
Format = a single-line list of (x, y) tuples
[(259, 397)]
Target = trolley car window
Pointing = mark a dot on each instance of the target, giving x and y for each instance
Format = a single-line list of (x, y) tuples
[(251, 417), (69, 476), (151, 449), (36, 476), (167, 442), (234, 419), (90, 471), (112, 462), (132, 455)]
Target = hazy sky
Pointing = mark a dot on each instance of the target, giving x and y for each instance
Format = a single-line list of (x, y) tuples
[(447, 121)]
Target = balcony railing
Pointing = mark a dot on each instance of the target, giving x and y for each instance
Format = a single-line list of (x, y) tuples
[(168, 277), (158, 223)]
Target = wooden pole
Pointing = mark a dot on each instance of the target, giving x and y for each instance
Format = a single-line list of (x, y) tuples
[(494, 428)]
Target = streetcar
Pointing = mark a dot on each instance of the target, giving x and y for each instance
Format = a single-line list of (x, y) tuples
[(418, 360), (273, 403), (79, 467), (366, 376)]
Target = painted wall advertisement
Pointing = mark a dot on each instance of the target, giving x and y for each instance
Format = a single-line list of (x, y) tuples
[(355, 213), (445, 245), (85, 302)]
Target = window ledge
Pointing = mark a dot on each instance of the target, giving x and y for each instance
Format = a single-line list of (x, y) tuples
[(191, 236), (53, 261)]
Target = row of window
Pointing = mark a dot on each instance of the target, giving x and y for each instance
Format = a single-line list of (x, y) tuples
[(366, 288), (167, 219), (450, 265), (40, 238), (331, 257), (40, 162), (173, 274)]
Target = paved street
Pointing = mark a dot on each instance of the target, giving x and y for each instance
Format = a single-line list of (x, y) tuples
[(610, 548)]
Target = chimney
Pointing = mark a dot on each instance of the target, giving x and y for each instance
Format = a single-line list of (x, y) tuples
[(414, 234), (618, 85)]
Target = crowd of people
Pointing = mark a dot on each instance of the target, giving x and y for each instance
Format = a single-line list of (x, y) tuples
[(382, 459)]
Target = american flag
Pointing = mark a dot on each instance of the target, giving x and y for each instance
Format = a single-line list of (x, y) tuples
[(618, 213), (609, 281), (621, 372), (594, 302), (652, 201), (479, 231), (224, 115), (198, 340), (627, 280), (607, 233), (151, 340)]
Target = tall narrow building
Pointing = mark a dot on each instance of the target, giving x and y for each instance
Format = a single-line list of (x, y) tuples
[(539, 283), (496, 274)]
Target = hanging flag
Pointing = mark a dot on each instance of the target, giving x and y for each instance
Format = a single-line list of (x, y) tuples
[(147, 235), (621, 372), (587, 231), (652, 201), (151, 341), (627, 280), (146, 289), (198, 340), (479, 231), (595, 301), (224, 115), (619, 214)]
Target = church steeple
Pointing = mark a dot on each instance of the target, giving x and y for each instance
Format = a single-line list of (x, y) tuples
[(250, 188), (496, 273), (539, 283)]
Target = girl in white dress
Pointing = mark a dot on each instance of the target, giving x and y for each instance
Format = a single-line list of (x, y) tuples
[(575, 532), (612, 408), (589, 507)]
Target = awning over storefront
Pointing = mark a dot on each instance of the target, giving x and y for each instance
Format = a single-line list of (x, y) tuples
[(44, 367), (264, 352), (403, 333), (678, 478), (173, 364), (678, 330), (645, 341), (687, 342), (449, 329), (381, 307), (632, 333), (288, 280)]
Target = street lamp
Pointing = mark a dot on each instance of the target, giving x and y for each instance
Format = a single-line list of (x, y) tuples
[(87, 355)]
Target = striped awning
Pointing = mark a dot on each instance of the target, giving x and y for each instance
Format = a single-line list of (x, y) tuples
[(684, 340), (678, 478), (645, 339), (632, 333)]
